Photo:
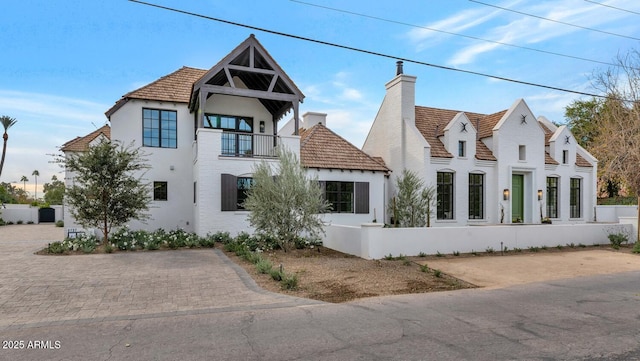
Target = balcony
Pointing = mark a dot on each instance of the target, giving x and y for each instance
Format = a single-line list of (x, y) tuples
[(239, 144)]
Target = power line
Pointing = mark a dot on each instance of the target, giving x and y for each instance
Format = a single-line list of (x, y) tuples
[(613, 7), (555, 21), (346, 47), (452, 33)]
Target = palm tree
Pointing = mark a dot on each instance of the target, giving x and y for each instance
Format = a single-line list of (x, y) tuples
[(24, 181), (36, 174), (6, 122)]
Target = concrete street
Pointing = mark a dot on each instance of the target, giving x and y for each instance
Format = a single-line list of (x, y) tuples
[(587, 318)]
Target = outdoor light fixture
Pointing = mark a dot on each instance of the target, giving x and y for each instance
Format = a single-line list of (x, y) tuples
[(539, 194), (262, 126), (505, 194)]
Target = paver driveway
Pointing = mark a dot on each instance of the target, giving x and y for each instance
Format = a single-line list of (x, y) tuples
[(44, 290)]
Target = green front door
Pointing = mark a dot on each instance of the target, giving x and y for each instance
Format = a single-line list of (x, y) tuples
[(517, 198)]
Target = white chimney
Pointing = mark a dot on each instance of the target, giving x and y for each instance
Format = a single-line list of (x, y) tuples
[(309, 119)]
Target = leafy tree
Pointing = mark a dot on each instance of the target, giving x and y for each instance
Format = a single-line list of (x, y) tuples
[(582, 118), (617, 143), (413, 205), (284, 202), (54, 191), (7, 122), (107, 190), (36, 174)]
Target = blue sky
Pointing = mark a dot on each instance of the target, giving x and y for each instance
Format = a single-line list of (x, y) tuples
[(65, 62)]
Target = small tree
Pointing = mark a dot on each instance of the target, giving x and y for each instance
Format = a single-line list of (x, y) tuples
[(54, 191), (414, 202), (284, 202), (107, 189)]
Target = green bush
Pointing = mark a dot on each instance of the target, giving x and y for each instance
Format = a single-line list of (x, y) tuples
[(617, 239), (222, 237), (60, 223), (289, 282), (424, 268), (264, 266), (437, 273), (276, 275), (636, 248), (56, 248), (20, 221), (88, 247)]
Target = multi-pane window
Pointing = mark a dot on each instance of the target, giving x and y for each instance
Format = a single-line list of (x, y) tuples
[(445, 195), (552, 197), (237, 138), (159, 128), (243, 183), (160, 191), (476, 196), (462, 148), (575, 198), (340, 195)]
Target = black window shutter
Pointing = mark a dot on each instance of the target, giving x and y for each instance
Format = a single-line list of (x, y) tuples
[(229, 192), (362, 197)]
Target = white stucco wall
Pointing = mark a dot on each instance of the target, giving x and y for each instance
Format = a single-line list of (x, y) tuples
[(169, 165), (377, 191)]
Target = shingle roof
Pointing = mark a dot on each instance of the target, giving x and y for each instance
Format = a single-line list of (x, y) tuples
[(175, 87), (581, 162), (432, 121), (81, 144), (322, 148)]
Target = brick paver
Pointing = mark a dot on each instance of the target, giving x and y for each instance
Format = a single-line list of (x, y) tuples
[(42, 290)]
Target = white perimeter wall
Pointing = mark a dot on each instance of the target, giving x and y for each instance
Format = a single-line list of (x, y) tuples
[(25, 213), (371, 241)]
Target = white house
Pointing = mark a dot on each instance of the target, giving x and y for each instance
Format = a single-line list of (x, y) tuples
[(505, 167), (204, 130)]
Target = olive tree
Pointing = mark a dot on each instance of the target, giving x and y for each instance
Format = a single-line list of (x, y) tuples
[(107, 187), (284, 202), (414, 203)]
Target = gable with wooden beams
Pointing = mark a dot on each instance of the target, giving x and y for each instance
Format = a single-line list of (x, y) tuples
[(252, 65)]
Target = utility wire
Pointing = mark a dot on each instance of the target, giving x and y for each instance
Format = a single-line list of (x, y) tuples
[(452, 33), (346, 47), (613, 7), (555, 21)]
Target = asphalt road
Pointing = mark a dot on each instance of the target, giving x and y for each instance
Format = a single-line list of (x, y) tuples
[(589, 318)]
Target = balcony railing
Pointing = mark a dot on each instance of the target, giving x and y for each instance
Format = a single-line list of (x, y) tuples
[(239, 144)]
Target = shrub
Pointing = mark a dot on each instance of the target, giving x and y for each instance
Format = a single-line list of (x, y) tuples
[(422, 254), (208, 241), (636, 248), (108, 248), (276, 274), (438, 254), (389, 257), (30, 222), (264, 266), (55, 248), (424, 268), (437, 273), (533, 249), (20, 221), (517, 250), (406, 262), (456, 253), (222, 237), (489, 250), (617, 239), (60, 223), (289, 282), (88, 247)]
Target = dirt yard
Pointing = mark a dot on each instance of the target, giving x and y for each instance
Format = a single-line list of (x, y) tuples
[(336, 277), (331, 276)]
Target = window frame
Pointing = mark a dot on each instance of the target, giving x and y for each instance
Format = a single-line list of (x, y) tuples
[(237, 140), (552, 197), (160, 191), (476, 196), (575, 198), (445, 207), (462, 148), (335, 196), (522, 153), (148, 141)]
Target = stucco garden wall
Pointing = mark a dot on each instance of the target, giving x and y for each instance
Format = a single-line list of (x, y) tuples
[(371, 241)]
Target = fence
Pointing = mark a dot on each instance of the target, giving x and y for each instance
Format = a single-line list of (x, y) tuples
[(371, 241)]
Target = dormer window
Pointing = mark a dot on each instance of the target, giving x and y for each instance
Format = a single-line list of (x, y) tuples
[(462, 148)]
